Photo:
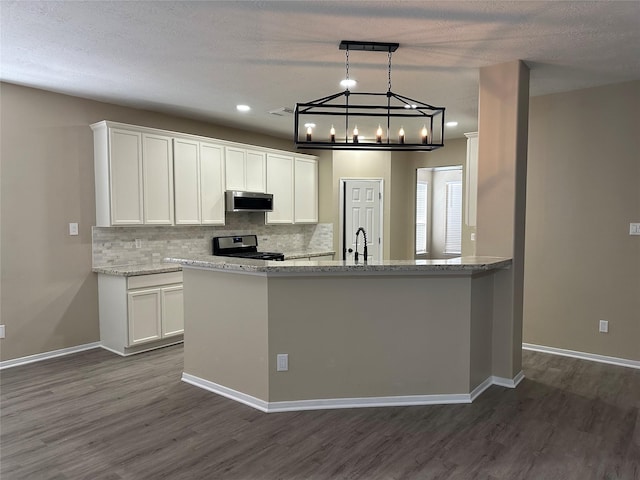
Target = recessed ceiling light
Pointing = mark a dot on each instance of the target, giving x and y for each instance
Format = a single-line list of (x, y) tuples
[(243, 108), (348, 83), (310, 125), (452, 124)]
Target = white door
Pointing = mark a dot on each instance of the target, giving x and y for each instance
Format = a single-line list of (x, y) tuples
[(362, 207)]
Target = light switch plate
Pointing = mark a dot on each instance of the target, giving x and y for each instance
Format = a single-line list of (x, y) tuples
[(1, 331), (282, 362), (634, 229), (73, 229)]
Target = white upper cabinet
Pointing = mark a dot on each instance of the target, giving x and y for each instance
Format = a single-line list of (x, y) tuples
[(245, 170), (306, 190), (133, 177), (145, 176), (212, 183), (280, 178), (293, 181), (157, 175), (122, 157), (198, 178)]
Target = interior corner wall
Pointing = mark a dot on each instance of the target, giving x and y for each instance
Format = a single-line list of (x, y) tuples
[(581, 264), (49, 294)]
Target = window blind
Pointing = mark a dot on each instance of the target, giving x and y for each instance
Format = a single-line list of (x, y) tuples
[(421, 216), (453, 232)]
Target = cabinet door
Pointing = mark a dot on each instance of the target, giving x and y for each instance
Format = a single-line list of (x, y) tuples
[(125, 171), (280, 184), (306, 190), (235, 168), (186, 182), (256, 172), (157, 165), (144, 309), (172, 311), (212, 184)]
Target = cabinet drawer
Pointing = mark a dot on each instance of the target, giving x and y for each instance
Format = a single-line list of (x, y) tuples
[(154, 280)]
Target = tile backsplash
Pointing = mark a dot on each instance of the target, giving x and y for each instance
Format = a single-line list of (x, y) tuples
[(117, 245)]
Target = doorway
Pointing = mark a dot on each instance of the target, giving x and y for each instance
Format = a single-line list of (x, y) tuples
[(361, 206)]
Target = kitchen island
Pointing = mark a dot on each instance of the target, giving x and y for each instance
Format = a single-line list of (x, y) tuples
[(384, 333)]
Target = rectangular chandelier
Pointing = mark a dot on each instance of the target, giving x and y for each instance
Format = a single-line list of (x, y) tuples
[(368, 121)]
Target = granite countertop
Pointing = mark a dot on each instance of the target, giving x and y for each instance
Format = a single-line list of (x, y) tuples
[(164, 267), (460, 264), (316, 253), (141, 269)]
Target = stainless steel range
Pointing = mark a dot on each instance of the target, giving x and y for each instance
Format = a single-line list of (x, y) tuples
[(244, 246)]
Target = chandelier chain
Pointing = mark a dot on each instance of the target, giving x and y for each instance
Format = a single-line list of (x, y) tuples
[(347, 63), (389, 85)]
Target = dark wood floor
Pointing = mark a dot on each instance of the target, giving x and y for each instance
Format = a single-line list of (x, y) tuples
[(97, 416)]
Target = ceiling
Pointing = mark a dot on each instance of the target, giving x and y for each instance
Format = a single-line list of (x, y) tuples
[(200, 59)]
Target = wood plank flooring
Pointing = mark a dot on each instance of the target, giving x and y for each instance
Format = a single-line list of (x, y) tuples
[(94, 415)]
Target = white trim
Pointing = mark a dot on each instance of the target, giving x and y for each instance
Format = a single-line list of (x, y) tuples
[(594, 357), (358, 402), (142, 348), (38, 357), (480, 388), (113, 350), (226, 392), (508, 382)]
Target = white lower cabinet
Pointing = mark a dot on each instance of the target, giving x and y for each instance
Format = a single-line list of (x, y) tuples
[(141, 312)]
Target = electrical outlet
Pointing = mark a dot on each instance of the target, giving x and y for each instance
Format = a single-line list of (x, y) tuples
[(473, 237), (1, 331), (634, 229), (73, 229), (138, 243), (604, 326), (283, 362)]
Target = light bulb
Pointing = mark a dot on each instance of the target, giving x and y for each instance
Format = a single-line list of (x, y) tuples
[(401, 135), (425, 135), (355, 134), (309, 132), (379, 134), (332, 134)]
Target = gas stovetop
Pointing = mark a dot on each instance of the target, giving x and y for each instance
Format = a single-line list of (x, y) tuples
[(242, 246)]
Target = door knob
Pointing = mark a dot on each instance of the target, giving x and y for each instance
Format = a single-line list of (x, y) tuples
[(350, 250)]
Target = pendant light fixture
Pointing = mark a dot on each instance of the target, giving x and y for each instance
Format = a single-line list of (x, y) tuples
[(368, 121)]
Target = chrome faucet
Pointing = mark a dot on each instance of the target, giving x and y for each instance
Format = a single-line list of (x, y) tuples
[(364, 234)]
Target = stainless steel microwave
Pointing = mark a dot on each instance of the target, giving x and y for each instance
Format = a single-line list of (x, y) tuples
[(249, 201)]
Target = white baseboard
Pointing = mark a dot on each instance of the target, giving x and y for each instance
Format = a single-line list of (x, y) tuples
[(361, 402), (226, 392), (38, 357), (508, 382), (622, 362)]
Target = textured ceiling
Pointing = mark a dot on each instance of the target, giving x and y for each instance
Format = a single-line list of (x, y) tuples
[(200, 59)]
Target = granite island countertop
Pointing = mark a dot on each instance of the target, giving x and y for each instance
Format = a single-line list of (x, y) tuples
[(131, 270), (138, 269), (306, 267)]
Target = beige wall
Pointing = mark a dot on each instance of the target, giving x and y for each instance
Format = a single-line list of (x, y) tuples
[(583, 189), (49, 295)]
